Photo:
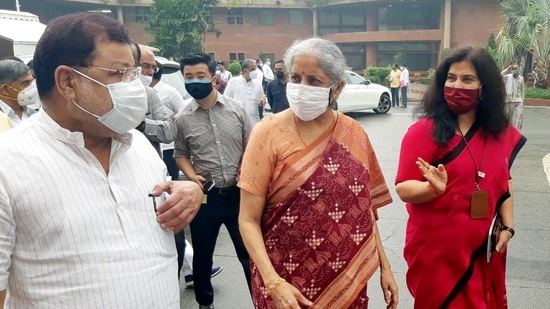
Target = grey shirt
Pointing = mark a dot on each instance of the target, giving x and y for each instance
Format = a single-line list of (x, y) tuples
[(159, 128), (214, 139)]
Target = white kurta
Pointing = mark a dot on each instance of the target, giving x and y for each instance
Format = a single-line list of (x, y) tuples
[(72, 236), (248, 92)]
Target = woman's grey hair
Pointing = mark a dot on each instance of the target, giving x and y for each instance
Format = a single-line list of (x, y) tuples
[(329, 57), (12, 70)]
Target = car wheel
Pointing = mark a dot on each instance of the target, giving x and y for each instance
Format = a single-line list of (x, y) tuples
[(384, 105)]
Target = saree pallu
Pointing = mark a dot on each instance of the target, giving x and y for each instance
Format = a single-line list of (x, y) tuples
[(445, 248), (318, 225)]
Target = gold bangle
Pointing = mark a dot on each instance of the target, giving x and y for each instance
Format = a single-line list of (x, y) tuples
[(274, 285)]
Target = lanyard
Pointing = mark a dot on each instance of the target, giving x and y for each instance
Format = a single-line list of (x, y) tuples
[(478, 173)]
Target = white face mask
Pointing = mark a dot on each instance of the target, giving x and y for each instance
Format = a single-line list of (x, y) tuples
[(268, 63), (254, 74), (28, 95), (129, 105), (145, 80), (307, 102)]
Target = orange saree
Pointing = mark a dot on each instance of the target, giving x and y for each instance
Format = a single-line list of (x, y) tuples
[(318, 223)]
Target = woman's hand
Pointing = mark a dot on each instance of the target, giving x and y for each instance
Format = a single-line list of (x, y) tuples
[(503, 239), (389, 288), (436, 176), (287, 296)]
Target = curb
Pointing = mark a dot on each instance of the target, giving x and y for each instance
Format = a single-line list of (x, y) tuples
[(536, 102)]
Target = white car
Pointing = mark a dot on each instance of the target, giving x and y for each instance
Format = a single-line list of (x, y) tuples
[(360, 94), (171, 75)]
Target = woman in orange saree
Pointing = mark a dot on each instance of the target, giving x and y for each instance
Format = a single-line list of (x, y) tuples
[(310, 190)]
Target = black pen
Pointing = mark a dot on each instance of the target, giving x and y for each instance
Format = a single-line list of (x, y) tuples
[(154, 201)]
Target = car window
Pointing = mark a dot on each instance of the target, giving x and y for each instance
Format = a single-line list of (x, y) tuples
[(355, 79), (176, 80)]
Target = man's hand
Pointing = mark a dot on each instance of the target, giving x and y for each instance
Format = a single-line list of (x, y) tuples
[(261, 101), (180, 206)]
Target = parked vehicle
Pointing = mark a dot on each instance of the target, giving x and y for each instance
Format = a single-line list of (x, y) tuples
[(19, 33), (360, 94), (171, 75)]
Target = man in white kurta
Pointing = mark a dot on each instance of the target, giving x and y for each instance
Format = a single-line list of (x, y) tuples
[(77, 237), (247, 89), (78, 227)]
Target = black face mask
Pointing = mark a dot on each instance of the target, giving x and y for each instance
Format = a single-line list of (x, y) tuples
[(280, 74), (198, 88)]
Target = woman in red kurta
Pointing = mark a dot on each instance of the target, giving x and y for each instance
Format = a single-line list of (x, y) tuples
[(454, 174)]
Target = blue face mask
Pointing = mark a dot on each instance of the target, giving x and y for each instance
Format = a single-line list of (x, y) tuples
[(199, 88)]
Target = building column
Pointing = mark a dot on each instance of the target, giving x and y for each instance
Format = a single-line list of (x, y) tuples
[(447, 25), (120, 15), (315, 22)]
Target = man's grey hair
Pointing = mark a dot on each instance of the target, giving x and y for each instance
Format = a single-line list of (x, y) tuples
[(12, 70), (329, 57), (247, 63)]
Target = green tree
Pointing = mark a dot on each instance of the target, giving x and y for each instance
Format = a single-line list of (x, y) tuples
[(180, 26), (526, 29)]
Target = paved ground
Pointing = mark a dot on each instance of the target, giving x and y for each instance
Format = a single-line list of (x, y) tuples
[(529, 252)]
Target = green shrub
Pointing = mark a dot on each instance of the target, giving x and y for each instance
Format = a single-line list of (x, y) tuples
[(235, 68), (374, 79), (381, 73), (537, 93), (426, 80)]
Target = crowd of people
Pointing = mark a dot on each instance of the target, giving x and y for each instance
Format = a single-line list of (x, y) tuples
[(299, 190)]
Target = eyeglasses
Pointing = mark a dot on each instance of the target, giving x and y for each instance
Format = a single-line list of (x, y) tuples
[(127, 75), (147, 66)]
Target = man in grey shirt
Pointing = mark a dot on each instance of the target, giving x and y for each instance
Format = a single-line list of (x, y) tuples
[(212, 136), (157, 126)]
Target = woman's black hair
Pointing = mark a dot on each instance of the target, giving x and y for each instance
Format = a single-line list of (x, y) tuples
[(491, 115)]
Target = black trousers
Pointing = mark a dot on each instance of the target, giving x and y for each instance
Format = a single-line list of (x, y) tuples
[(222, 207), (173, 169), (180, 248)]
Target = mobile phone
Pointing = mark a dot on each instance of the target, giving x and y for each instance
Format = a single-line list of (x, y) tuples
[(209, 183)]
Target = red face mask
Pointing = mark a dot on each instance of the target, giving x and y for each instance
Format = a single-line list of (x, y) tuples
[(461, 100)]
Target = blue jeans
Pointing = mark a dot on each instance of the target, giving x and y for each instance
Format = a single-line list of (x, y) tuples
[(404, 96), (222, 207), (395, 96)]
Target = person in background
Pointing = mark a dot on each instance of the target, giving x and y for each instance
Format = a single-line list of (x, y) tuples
[(394, 79), (156, 125), (93, 231), (515, 93), (311, 186), (259, 75), (268, 73), (173, 103), (17, 90), (225, 74), (212, 135), (404, 82), (454, 176), (247, 89), (276, 89), (220, 83)]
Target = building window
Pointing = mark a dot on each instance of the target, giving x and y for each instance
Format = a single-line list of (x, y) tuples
[(235, 16), (341, 20), (355, 55), (236, 57), (295, 17), (265, 17), (419, 56), (141, 15), (408, 17)]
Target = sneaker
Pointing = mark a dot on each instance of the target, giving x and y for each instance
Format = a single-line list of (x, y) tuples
[(189, 278)]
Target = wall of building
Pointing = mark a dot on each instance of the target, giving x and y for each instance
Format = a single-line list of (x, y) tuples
[(473, 21)]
